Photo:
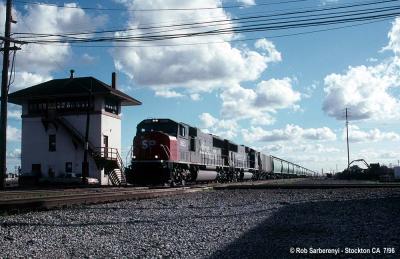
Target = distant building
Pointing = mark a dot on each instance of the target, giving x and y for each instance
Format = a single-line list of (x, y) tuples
[(54, 121)]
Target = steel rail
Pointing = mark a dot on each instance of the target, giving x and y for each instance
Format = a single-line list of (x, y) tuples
[(39, 203), (307, 186), (22, 201)]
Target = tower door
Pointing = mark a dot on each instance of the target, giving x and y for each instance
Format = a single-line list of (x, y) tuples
[(105, 142), (37, 170)]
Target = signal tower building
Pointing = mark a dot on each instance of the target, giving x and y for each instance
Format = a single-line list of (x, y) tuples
[(63, 117)]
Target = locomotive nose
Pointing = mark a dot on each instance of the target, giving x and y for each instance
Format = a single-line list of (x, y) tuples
[(152, 154), (147, 143), (152, 146)]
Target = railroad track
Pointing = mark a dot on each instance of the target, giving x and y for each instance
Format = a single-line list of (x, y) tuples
[(306, 186), (26, 200), (23, 201), (306, 183)]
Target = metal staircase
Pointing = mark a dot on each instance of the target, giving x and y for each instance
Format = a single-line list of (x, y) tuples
[(117, 177), (111, 161)]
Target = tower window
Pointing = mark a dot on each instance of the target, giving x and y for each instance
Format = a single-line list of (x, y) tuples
[(111, 106), (52, 143)]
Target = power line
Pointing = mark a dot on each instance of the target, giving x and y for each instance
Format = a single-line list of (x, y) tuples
[(246, 19), (315, 17), (273, 12), (272, 19), (285, 25), (46, 50), (160, 9), (221, 42)]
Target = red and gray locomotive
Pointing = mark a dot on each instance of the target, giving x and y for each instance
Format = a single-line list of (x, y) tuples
[(165, 151)]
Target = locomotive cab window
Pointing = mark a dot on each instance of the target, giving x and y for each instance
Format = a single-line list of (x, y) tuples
[(182, 130)]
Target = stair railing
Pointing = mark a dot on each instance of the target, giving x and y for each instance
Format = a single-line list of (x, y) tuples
[(66, 124), (121, 167)]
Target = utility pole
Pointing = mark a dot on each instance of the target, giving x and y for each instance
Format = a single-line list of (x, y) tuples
[(85, 169), (347, 135), (4, 95)]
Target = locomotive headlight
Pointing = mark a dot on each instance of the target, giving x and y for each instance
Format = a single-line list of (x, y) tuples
[(156, 157), (134, 157)]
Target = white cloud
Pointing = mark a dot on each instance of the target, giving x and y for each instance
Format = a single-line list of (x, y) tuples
[(323, 133), (371, 93), (247, 2), (319, 148), (394, 37), (13, 134), (14, 114), (195, 97), (273, 148), (14, 154), (36, 62), (269, 50), (207, 120), (236, 101), (259, 104), (327, 2), (166, 93), (14, 111), (24, 79), (51, 20), (288, 148), (373, 135), (224, 128), (309, 90), (200, 67), (372, 60), (276, 94), (386, 157), (289, 133), (189, 70), (88, 59), (365, 90)]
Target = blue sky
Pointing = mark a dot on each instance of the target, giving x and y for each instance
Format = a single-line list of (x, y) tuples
[(282, 95)]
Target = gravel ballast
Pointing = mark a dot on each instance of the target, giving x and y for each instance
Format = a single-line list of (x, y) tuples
[(226, 223)]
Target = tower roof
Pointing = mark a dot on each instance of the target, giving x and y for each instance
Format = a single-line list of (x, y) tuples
[(70, 87)]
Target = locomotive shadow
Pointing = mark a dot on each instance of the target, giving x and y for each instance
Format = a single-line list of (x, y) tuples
[(363, 223)]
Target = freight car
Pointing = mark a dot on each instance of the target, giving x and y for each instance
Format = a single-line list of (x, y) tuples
[(165, 151)]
